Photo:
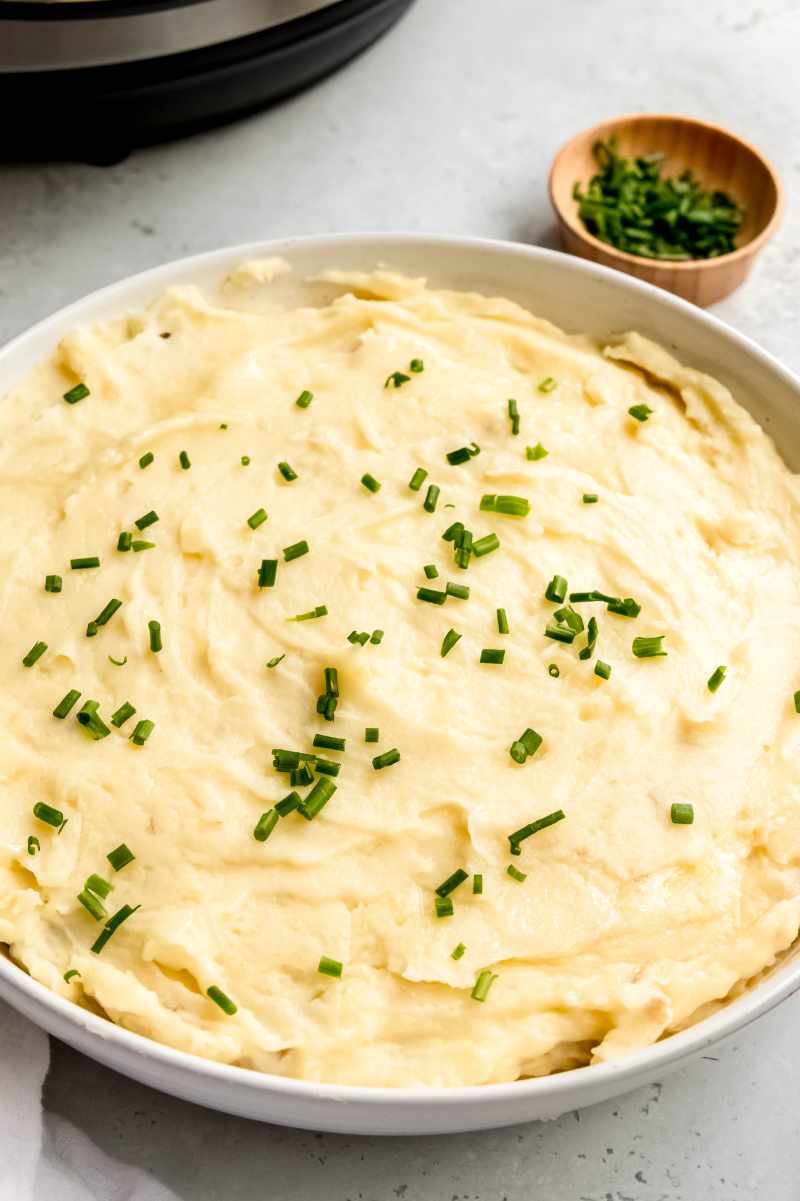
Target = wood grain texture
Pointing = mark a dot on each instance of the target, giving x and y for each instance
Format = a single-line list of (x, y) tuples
[(718, 158)]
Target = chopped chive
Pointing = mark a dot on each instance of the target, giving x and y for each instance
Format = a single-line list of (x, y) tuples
[(716, 679), (601, 669), (590, 498), (66, 703), (533, 453), (71, 974), (485, 545), (118, 662), (301, 777), (124, 541), (138, 545), (245, 460), (274, 662), (552, 670), (295, 551), (431, 571), (416, 366), (256, 519), (511, 506), (443, 906), (458, 951), (526, 745), (304, 399), (417, 479), (122, 714), (453, 532), (155, 636), (92, 723), (331, 678), (120, 857), (329, 742), (797, 702), (516, 874), (559, 633), (640, 412), (330, 967), (502, 621), (317, 799), (150, 518), (267, 573), (92, 905), (326, 767), (448, 642), (377, 637), (513, 414), (288, 804), (371, 734), (100, 887), (223, 425), (591, 639), (452, 882), (361, 639), (431, 497), (625, 608), (492, 656), (113, 923), (184, 460), (477, 884), (460, 591), (52, 583), (370, 483), (146, 459), (84, 563), (396, 379), (463, 454), (517, 752), (649, 648), (485, 978), (386, 759), (319, 611), (556, 590), (548, 384), (287, 472), (681, 814), (142, 732), (79, 392), (534, 827), (104, 616), (47, 814), (34, 846), (220, 998), (35, 653), (431, 595), (265, 825)]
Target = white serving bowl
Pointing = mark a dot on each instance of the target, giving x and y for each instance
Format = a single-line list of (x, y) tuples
[(580, 296)]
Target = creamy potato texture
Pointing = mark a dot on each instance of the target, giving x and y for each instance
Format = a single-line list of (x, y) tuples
[(625, 924)]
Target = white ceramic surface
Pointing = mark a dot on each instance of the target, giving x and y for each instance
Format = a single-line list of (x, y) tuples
[(578, 296)]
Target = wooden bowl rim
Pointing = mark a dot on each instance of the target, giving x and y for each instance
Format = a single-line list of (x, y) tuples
[(572, 221)]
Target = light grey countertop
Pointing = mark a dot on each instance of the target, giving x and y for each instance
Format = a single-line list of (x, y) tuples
[(447, 125)]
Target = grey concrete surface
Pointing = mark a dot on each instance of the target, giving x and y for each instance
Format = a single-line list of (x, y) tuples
[(448, 124)]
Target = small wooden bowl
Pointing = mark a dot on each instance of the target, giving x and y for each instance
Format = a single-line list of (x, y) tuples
[(719, 159)]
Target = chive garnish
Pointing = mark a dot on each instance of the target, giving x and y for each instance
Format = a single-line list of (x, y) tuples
[(591, 639), (416, 366), (556, 590), (88, 717), (386, 759), (122, 714), (640, 412), (534, 827), (150, 518), (267, 573), (716, 679), (396, 379), (79, 392), (431, 498), (103, 617), (100, 887), (184, 460), (548, 384), (372, 734), (118, 662), (431, 571), (590, 498), (92, 904), (84, 563), (559, 633), (649, 648), (513, 414), (245, 461), (502, 621), (453, 532), (449, 641), (146, 459), (301, 777), (452, 882), (483, 983), (460, 591), (417, 479), (304, 399), (533, 453), (601, 669), (552, 670), (265, 825), (458, 951), (326, 767), (358, 638), (329, 742), (120, 857), (287, 472), (625, 608), (138, 545), (274, 662), (34, 846), (71, 974), (432, 595), (47, 814), (516, 874), (220, 998), (526, 745), (681, 814), (34, 654), (330, 967), (463, 454), (288, 804), (317, 799), (66, 703), (485, 545), (256, 519), (796, 699), (154, 628), (510, 506), (295, 551), (52, 583), (142, 732), (111, 925), (488, 655), (370, 483), (443, 906), (125, 541), (477, 884), (319, 611)]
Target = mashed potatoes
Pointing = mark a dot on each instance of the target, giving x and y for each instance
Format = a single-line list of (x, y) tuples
[(617, 923)]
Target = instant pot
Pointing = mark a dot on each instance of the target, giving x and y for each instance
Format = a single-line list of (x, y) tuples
[(93, 78)]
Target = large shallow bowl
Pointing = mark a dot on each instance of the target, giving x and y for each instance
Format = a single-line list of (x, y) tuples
[(579, 296)]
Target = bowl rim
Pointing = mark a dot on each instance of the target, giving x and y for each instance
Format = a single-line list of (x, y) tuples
[(571, 220), (69, 1021)]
